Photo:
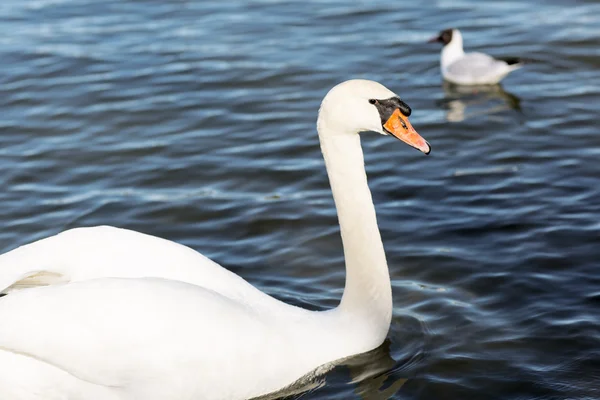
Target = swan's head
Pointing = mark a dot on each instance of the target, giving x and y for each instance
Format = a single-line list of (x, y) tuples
[(358, 105)]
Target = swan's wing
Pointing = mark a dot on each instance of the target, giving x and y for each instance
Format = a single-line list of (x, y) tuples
[(144, 338), (477, 68), (89, 253)]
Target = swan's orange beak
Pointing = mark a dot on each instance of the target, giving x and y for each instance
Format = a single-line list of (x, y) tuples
[(399, 126)]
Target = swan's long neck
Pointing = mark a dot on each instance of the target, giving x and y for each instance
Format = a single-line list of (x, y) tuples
[(367, 294)]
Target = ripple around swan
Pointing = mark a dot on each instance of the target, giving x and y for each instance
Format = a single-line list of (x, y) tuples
[(195, 121)]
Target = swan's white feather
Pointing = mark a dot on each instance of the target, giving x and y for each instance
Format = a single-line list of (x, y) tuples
[(97, 252), (118, 323)]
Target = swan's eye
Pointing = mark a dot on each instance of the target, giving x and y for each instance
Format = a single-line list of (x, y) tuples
[(373, 101)]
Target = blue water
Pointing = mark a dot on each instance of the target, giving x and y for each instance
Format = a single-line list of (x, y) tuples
[(195, 121)]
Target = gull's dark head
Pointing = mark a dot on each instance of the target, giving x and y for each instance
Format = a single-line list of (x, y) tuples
[(443, 37)]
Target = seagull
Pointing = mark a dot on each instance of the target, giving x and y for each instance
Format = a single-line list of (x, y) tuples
[(471, 68)]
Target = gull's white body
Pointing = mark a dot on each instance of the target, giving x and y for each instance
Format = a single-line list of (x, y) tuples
[(106, 313), (471, 68)]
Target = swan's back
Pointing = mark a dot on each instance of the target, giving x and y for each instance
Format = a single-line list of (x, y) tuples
[(181, 310), (99, 252)]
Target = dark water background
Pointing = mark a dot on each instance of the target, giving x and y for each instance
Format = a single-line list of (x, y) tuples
[(195, 121)]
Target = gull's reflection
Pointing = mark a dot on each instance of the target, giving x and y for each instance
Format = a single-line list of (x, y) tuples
[(464, 102), (374, 375)]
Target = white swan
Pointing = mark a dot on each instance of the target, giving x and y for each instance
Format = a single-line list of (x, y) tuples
[(470, 68), (180, 326)]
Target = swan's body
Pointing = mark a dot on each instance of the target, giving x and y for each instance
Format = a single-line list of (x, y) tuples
[(470, 68), (107, 313)]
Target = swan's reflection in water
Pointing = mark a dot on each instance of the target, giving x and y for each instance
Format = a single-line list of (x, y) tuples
[(464, 102), (374, 375)]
